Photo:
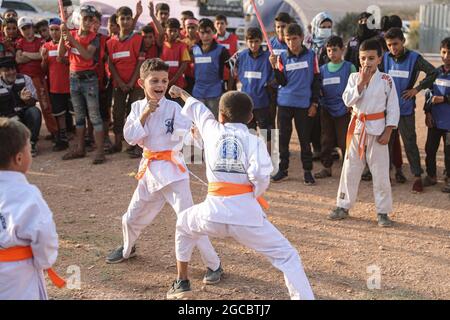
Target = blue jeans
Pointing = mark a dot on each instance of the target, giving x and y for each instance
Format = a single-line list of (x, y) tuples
[(32, 118), (85, 99)]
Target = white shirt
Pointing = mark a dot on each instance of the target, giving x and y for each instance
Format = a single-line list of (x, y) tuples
[(232, 155), (165, 129), (380, 95), (26, 220)]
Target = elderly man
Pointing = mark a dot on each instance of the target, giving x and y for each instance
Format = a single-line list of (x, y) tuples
[(18, 99)]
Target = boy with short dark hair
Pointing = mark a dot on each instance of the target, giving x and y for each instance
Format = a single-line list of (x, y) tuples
[(156, 124), (209, 64), (125, 59), (373, 98), (437, 113), (254, 72), (229, 40), (11, 35), (42, 28), (238, 170), (59, 86), (334, 114), (175, 53), (28, 242), (297, 73), (278, 42), (404, 66)]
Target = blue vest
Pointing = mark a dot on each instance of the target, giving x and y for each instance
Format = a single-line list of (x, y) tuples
[(401, 73), (299, 72), (208, 81), (277, 46), (254, 74), (441, 112), (333, 86)]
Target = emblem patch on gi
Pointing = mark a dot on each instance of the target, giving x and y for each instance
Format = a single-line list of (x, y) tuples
[(342, 196), (169, 125), (229, 154), (2, 222)]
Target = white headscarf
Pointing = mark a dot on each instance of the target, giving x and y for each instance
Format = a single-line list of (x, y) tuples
[(320, 35)]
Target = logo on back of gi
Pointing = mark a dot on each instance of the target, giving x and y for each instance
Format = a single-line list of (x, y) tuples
[(229, 155), (169, 125), (2, 222)]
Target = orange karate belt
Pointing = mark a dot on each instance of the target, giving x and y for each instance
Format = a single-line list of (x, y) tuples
[(23, 253), (226, 189), (362, 117), (167, 155)]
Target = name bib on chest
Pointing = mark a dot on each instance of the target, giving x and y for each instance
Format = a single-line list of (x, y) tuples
[(203, 60), (329, 81), (399, 74), (252, 75), (121, 54), (297, 66)]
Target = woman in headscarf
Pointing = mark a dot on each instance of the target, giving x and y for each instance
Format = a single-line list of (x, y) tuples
[(322, 25)]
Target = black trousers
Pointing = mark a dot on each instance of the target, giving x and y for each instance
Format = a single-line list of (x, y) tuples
[(304, 126), (434, 137)]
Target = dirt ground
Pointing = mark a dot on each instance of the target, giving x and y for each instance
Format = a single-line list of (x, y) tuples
[(413, 257)]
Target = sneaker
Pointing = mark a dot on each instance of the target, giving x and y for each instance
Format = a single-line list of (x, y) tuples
[(366, 176), (324, 173), (400, 177), (335, 155), (338, 214), (446, 188), (136, 153), (116, 255), (429, 181), (213, 277), (417, 186), (180, 289), (308, 178), (34, 150), (280, 176), (383, 220), (60, 146)]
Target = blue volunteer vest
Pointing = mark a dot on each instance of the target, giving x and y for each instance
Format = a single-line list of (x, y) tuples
[(333, 86), (299, 72), (441, 112), (254, 74), (208, 81), (277, 46), (401, 73)]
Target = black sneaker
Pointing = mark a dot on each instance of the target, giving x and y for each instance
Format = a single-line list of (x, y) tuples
[(366, 176), (400, 177), (180, 289), (308, 178), (60, 146), (280, 176), (34, 150), (116, 256), (213, 277), (383, 220), (136, 153)]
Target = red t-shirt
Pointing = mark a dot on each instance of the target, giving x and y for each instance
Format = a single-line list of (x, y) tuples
[(230, 44), (77, 62), (124, 55), (32, 68), (152, 52), (58, 72), (174, 54)]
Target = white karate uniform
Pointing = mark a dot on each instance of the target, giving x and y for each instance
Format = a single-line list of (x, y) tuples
[(233, 155), (380, 95), (165, 129), (25, 220)]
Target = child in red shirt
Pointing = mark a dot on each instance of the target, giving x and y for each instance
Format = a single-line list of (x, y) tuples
[(191, 39), (125, 56), (83, 46), (28, 58), (175, 53), (228, 39), (59, 86)]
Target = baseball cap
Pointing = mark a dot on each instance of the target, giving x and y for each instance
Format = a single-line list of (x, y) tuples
[(87, 10), (54, 22), (24, 21)]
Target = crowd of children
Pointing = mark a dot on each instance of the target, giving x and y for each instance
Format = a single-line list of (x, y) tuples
[(358, 98)]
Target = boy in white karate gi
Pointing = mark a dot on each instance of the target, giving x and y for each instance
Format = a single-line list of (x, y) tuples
[(156, 124), (238, 169), (376, 112), (28, 238)]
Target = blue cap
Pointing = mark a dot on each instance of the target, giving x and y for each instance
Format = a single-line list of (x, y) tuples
[(54, 21)]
